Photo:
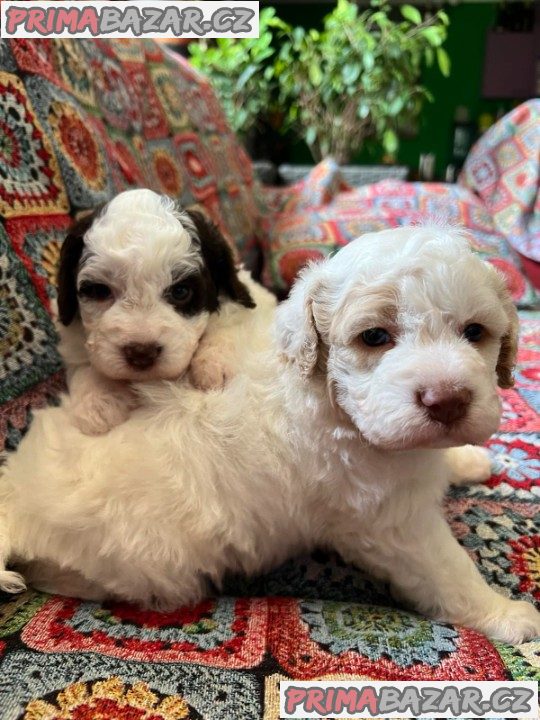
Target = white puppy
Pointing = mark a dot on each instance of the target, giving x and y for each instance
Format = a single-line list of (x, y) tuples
[(333, 434), (140, 287)]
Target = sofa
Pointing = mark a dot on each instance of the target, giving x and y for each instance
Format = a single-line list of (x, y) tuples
[(82, 120)]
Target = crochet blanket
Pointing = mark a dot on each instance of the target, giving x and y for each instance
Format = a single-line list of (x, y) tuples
[(81, 120), (503, 170)]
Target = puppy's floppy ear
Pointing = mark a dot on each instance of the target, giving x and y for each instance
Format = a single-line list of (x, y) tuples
[(509, 342), (296, 329), (70, 256), (219, 260), (507, 358)]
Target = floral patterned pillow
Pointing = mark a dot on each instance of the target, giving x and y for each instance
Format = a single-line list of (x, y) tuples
[(299, 232)]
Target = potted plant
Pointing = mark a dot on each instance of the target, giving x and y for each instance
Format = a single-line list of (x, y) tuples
[(242, 73), (359, 77)]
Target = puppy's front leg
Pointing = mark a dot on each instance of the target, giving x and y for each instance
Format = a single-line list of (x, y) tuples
[(212, 364), (10, 581), (468, 464), (97, 403), (427, 567)]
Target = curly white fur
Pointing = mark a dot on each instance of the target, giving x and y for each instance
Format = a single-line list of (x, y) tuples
[(137, 246), (318, 440)]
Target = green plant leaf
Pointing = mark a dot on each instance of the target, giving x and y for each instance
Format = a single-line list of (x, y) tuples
[(350, 73), (363, 110), (443, 17), (311, 135), (443, 60), (379, 18), (298, 34), (411, 13), (246, 75), (390, 141), (315, 74), (396, 106), (241, 118), (369, 61), (433, 35)]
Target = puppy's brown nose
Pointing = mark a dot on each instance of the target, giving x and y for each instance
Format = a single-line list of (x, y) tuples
[(141, 356), (445, 405)]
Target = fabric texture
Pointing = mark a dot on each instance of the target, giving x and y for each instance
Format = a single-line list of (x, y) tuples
[(502, 170), (80, 121), (321, 213)]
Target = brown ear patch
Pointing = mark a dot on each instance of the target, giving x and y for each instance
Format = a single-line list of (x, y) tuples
[(219, 261), (506, 361), (70, 257)]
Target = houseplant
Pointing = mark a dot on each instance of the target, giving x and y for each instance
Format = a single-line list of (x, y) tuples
[(359, 77), (356, 79), (242, 73)]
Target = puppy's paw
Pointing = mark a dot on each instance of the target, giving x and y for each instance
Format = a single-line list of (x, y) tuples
[(518, 622), (12, 582), (209, 372), (470, 464), (162, 605), (98, 415)]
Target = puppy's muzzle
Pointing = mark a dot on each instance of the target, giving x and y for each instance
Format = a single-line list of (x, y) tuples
[(445, 405), (141, 356)]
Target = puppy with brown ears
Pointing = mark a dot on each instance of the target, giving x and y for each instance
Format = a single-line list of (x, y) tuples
[(144, 291)]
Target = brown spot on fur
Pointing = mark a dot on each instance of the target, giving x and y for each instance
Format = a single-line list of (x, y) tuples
[(506, 360)]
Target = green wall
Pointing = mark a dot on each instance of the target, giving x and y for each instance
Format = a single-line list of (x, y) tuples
[(465, 45)]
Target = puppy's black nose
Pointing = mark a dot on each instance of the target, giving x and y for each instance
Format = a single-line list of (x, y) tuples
[(445, 405), (141, 356)]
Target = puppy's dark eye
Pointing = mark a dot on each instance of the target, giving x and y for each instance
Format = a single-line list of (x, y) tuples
[(374, 337), (473, 332), (95, 291), (180, 293)]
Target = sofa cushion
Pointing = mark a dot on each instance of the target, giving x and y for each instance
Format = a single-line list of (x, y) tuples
[(81, 120), (503, 170), (317, 216)]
